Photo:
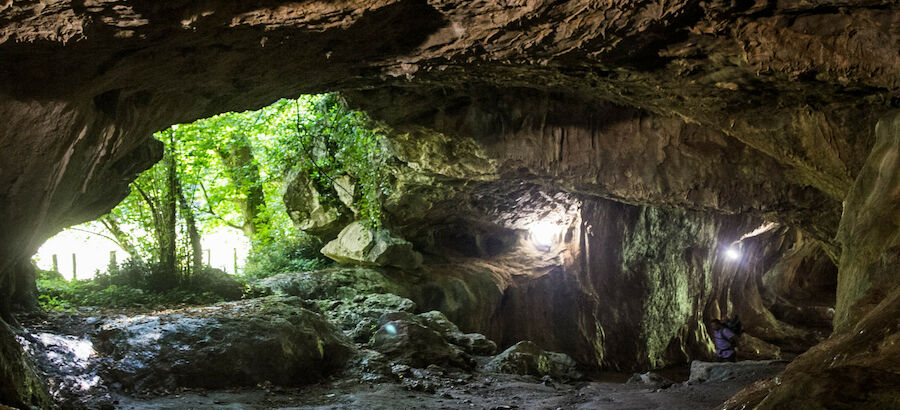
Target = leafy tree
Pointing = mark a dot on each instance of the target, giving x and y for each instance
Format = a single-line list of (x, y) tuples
[(323, 137), (228, 170), (219, 159), (159, 190)]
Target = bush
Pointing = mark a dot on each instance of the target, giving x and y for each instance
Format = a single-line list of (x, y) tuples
[(64, 296), (134, 273), (60, 295), (48, 275), (299, 253), (216, 282)]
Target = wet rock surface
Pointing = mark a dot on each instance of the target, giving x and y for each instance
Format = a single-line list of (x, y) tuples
[(432, 389), (272, 339), (651, 380), (409, 343), (371, 380), (702, 372)]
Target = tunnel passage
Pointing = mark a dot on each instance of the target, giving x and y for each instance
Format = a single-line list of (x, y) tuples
[(628, 287), (786, 96)]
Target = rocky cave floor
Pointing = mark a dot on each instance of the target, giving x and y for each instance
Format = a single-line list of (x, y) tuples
[(193, 357), (477, 390), (77, 384)]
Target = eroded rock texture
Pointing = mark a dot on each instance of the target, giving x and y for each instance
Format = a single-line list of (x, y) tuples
[(860, 364), (626, 288), (231, 344), (757, 109)]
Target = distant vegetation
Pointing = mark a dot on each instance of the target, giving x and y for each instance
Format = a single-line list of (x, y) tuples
[(228, 170)]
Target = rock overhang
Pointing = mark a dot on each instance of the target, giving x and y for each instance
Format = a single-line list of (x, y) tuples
[(782, 98)]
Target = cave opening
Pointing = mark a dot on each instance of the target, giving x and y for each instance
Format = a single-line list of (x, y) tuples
[(512, 204), (378, 235)]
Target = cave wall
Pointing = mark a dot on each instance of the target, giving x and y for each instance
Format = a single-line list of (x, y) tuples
[(626, 287), (869, 229), (597, 148), (860, 363), (799, 83), (791, 90), (21, 386)]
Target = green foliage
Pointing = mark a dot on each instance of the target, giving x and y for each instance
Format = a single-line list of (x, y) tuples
[(48, 275), (321, 136), (128, 286), (292, 253), (132, 273), (60, 295), (229, 168)]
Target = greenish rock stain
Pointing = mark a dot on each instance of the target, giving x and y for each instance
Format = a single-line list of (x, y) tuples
[(655, 248)]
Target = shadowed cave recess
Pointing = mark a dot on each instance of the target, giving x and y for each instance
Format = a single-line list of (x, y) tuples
[(600, 179)]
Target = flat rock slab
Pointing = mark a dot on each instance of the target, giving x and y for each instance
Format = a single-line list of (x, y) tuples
[(723, 371)]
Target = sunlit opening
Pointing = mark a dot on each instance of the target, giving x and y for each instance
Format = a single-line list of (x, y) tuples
[(92, 250), (390, 328), (544, 235)]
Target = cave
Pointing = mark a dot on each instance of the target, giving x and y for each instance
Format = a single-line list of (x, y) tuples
[(598, 179)]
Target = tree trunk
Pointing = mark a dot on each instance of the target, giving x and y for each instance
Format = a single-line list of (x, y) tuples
[(193, 233), (166, 231), (244, 173), (122, 238)]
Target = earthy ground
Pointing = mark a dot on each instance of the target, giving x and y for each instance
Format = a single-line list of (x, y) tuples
[(61, 347)]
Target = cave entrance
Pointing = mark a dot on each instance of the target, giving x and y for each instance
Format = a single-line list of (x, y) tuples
[(559, 277), (215, 204)]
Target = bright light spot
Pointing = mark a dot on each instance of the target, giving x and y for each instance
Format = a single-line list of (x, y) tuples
[(82, 349), (544, 235), (732, 254), (390, 328), (92, 251), (221, 245)]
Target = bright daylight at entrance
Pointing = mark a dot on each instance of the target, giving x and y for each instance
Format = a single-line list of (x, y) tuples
[(422, 204)]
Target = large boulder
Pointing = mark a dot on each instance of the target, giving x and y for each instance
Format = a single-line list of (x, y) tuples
[(405, 341), (472, 343), (721, 371), (360, 245), (353, 298), (309, 211), (229, 344), (359, 317), (345, 187), (526, 358)]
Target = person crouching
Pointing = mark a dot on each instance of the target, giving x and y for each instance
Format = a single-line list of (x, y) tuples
[(724, 339)]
